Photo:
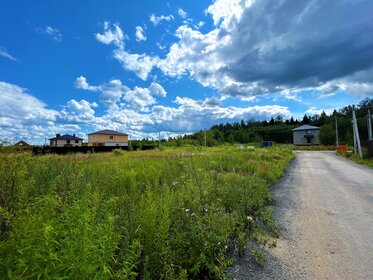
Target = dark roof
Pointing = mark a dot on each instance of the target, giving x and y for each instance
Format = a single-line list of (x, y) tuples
[(21, 143), (306, 127), (108, 131), (66, 137)]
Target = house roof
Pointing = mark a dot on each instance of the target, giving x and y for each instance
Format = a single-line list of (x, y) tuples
[(66, 137), (21, 143), (306, 127), (108, 131)]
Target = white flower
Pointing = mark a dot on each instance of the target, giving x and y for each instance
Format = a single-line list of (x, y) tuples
[(249, 218), (186, 210)]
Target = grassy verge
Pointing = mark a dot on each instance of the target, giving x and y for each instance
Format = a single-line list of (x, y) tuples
[(314, 148), (164, 214), (357, 159)]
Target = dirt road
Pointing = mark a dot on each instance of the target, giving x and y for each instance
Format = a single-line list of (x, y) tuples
[(324, 210)]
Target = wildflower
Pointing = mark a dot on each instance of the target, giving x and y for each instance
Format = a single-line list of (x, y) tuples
[(250, 219), (186, 210), (175, 183)]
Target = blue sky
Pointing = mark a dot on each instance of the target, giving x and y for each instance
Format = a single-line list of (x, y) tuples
[(144, 67)]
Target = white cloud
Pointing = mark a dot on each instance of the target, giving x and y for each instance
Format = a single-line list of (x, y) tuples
[(79, 111), (140, 64), (17, 104), (158, 19), (257, 47), (314, 111), (113, 35), (193, 115), (182, 13), (5, 54), (24, 116), (157, 89), (114, 92), (81, 82), (140, 34), (53, 32)]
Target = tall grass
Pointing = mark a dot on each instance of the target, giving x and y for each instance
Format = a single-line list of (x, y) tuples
[(170, 214)]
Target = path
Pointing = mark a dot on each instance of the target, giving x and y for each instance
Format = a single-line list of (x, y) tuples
[(324, 209)]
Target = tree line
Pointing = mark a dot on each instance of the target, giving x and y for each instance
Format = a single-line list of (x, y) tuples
[(279, 129)]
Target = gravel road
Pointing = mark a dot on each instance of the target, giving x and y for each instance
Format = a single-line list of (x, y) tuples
[(324, 210)]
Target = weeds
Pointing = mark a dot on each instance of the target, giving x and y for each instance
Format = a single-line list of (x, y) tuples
[(163, 214)]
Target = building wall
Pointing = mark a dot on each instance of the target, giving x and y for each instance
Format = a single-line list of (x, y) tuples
[(299, 139), (62, 143), (105, 138)]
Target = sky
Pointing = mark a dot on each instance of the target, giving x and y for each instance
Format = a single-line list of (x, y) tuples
[(149, 67)]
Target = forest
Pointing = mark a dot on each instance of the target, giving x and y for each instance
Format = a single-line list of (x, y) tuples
[(280, 130)]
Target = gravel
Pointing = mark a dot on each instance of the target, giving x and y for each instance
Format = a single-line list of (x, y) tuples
[(323, 208)]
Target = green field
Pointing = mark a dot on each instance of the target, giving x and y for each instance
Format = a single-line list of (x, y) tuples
[(162, 214)]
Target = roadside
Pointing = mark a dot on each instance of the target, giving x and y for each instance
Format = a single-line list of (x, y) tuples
[(324, 211)]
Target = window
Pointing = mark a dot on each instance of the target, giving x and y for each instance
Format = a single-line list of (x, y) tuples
[(111, 137), (68, 141), (76, 141)]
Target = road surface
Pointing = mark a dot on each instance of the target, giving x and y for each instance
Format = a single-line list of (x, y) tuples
[(324, 210)]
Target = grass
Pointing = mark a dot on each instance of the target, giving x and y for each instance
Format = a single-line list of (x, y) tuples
[(313, 148), (163, 214), (366, 161)]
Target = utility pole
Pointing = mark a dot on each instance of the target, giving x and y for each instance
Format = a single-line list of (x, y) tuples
[(356, 135), (370, 137), (336, 131), (159, 138), (205, 139)]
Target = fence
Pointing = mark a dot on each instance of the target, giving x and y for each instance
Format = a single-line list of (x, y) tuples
[(84, 149)]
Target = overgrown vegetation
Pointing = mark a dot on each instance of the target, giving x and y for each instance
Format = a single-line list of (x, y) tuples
[(365, 160), (170, 214)]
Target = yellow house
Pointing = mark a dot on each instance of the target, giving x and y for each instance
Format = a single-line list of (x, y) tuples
[(107, 138), (66, 141)]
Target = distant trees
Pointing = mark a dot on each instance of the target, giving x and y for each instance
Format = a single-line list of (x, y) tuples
[(280, 130)]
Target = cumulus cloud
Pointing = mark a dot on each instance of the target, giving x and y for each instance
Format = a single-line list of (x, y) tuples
[(113, 35), (79, 111), (50, 31), (258, 47), (158, 19), (81, 82), (140, 64), (314, 111), (191, 115), (114, 92), (18, 105), (25, 116), (140, 34)]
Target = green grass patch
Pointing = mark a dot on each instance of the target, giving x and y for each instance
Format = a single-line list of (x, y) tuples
[(162, 214), (357, 159)]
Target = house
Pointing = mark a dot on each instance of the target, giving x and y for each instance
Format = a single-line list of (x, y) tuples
[(306, 135), (22, 144), (107, 138), (66, 140)]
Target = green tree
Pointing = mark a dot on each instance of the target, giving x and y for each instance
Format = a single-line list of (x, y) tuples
[(327, 135)]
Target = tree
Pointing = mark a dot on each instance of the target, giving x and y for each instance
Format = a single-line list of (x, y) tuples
[(327, 135), (305, 120)]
